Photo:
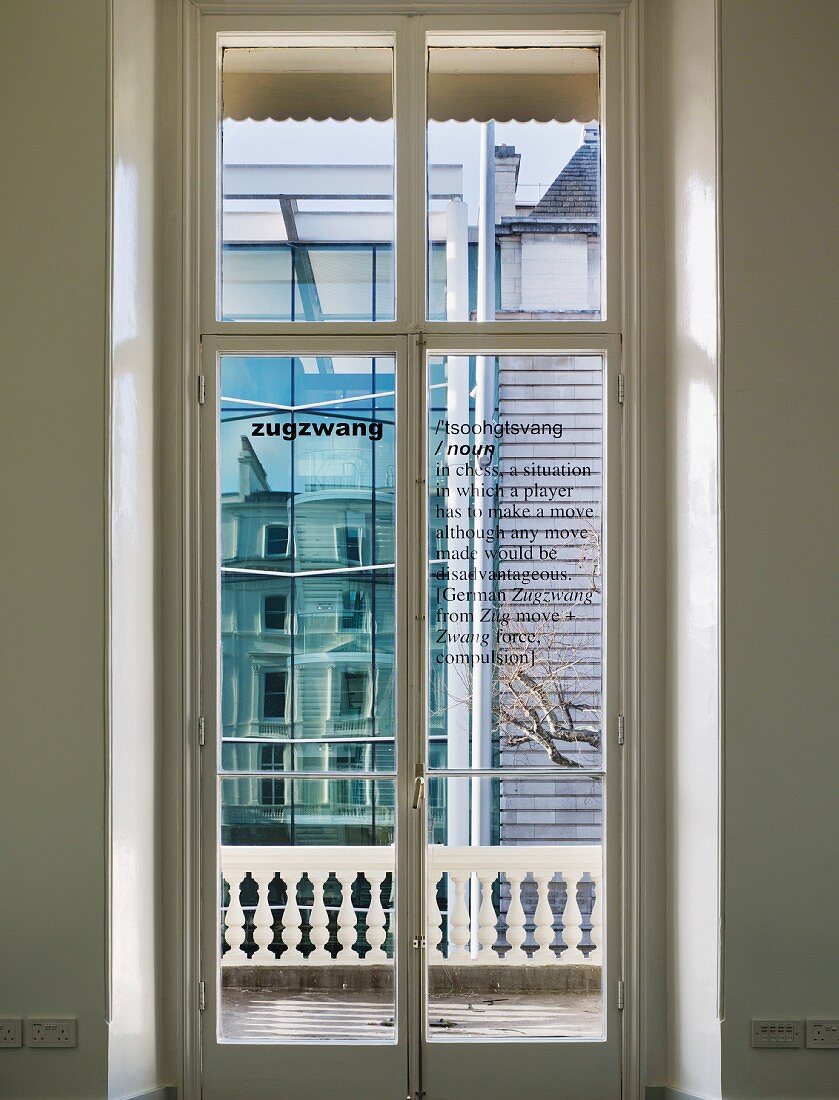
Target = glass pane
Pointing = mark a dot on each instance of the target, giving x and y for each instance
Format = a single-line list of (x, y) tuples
[(307, 472), (307, 920), (514, 183), (515, 900), (308, 176), (515, 627)]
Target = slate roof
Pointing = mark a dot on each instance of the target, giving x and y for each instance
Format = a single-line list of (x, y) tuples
[(575, 191)]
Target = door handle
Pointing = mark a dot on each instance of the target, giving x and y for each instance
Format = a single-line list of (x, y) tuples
[(419, 789)]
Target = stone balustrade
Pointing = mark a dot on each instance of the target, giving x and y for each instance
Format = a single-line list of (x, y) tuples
[(510, 905)]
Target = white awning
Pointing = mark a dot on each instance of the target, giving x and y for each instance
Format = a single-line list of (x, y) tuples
[(355, 82)]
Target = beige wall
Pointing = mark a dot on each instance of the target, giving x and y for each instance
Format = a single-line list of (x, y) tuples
[(53, 87), (780, 88)]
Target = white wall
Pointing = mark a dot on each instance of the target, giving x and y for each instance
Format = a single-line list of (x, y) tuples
[(689, 133), (53, 133), (780, 88), (135, 1040)]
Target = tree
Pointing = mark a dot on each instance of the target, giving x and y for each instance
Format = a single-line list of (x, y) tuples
[(546, 703), (540, 695)]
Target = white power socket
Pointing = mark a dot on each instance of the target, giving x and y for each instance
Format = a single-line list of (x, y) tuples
[(823, 1034), (10, 1033), (51, 1033)]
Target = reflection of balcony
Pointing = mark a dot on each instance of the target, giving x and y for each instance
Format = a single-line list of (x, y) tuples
[(504, 933), (362, 727), (274, 729)]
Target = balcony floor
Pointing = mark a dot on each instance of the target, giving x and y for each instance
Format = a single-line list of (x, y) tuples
[(268, 1015)]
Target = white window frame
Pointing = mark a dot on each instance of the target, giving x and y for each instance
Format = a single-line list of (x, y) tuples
[(618, 20)]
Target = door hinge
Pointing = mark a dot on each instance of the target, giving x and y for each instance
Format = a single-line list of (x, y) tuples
[(621, 995), (418, 943), (201, 732), (202, 997), (621, 388), (202, 389), (621, 729)]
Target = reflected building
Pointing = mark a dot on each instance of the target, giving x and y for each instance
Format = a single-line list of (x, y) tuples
[(307, 627), (308, 600)]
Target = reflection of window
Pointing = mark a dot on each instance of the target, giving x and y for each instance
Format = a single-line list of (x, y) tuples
[(355, 694), (438, 694), (274, 694), (348, 542), (272, 759), (353, 608), (276, 540), (275, 612)]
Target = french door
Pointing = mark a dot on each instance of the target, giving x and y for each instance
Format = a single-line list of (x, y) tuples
[(410, 781)]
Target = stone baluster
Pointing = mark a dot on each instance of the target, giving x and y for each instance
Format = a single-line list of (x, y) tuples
[(487, 932), (347, 932), (234, 920), (319, 920), (544, 920), (376, 918), (435, 926), (572, 931), (596, 921), (515, 920), (458, 917), (263, 919), (292, 919)]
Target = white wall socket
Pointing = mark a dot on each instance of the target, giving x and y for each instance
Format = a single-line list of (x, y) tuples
[(10, 1033), (51, 1033), (823, 1034)]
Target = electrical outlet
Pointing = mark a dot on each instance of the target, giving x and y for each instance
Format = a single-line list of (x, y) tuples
[(776, 1034), (823, 1034), (51, 1033), (10, 1033)]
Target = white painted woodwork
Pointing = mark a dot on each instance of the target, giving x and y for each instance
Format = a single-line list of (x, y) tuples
[(572, 931), (375, 918), (346, 919), (596, 920), (516, 933), (459, 918), (318, 920), (234, 934), (520, 867), (263, 934)]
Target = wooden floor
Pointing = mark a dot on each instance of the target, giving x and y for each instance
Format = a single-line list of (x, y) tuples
[(265, 1016)]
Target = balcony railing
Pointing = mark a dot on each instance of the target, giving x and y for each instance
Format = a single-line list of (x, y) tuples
[(495, 882)]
